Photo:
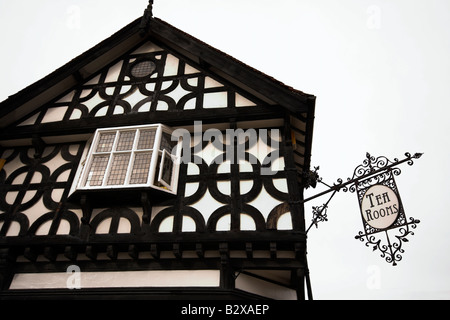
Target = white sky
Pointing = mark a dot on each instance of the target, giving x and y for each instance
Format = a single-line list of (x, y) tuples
[(381, 74)]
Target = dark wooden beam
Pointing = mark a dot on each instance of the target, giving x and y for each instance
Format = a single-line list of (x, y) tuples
[(170, 118)]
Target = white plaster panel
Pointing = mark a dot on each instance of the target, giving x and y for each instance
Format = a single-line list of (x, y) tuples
[(134, 98), (224, 223), (190, 188), (178, 93), (147, 47), (29, 195), (209, 153), (193, 81), (243, 102), (104, 226), (162, 106), (113, 72), (260, 149), (12, 165), (73, 149), (166, 225), (29, 121), (245, 186), (57, 195), (118, 110), (54, 163), (67, 98), (20, 178), (76, 114), (93, 102), (14, 229), (64, 227), (264, 288), (54, 114), (188, 69), (190, 104), (94, 80), (84, 93), (225, 187), (114, 279), (207, 205), (211, 83), (278, 164), (192, 169), (145, 107), (171, 67), (215, 100), (280, 184), (124, 226), (156, 210), (285, 222), (247, 222), (35, 211), (264, 203), (44, 228), (102, 112), (11, 197), (188, 225), (224, 167)]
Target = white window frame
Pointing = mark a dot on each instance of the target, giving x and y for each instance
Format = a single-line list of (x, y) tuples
[(154, 179)]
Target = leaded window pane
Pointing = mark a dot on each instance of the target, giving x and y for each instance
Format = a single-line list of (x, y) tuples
[(141, 167), (126, 139), (119, 168), (146, 139), (97, 170), (143, 69), (166, 142), (105, 142), (167, 170)]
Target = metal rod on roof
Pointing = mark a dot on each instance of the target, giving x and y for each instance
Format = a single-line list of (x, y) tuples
[(148, 14)]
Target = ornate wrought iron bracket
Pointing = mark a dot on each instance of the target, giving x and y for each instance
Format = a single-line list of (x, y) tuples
[(373, 182)]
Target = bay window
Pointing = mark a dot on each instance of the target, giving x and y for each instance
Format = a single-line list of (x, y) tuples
[(132, 157)]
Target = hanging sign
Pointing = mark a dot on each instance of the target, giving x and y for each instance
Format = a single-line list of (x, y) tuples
[(385, 224)]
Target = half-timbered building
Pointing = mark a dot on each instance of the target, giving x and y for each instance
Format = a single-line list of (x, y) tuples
[(154, 166)]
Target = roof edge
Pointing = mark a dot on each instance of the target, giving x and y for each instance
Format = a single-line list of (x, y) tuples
[(69, 69), (232, 66), (292, 99)]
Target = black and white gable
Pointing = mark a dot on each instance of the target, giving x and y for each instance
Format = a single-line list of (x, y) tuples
[(162, 75), (155, 146)]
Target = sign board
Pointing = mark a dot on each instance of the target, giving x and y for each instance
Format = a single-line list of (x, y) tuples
[(382, 211), (380, 206)]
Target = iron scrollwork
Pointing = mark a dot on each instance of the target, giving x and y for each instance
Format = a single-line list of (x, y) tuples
[(375, 168), (374, 171), (381, 171), (319, 214), (393, 250)]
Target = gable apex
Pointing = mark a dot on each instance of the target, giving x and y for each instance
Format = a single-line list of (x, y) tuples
[(88, 63)]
